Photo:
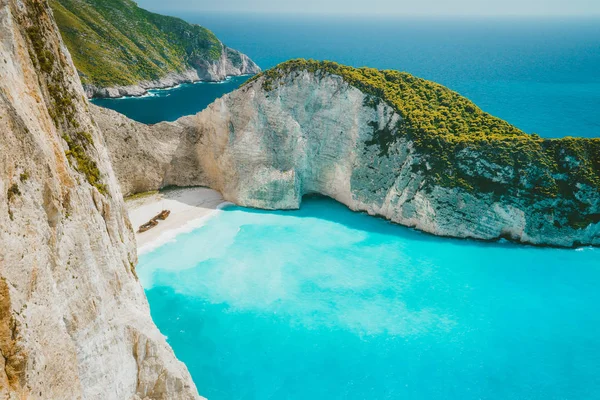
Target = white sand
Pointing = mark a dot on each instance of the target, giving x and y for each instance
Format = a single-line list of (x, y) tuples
[(190, 207)]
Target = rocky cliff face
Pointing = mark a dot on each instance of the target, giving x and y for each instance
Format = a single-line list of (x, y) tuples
[(230, 63), (150, 157), (74, 321), (275, 140)]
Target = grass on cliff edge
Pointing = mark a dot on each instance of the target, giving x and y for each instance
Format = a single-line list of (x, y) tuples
[(51, 67), (114, 42), (445, 126)]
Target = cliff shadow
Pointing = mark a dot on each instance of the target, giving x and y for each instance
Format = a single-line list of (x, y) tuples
[(325, 208)]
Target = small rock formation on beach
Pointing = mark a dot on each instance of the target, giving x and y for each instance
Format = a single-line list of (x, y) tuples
[(74, 320), (121, 49), (382, 142)]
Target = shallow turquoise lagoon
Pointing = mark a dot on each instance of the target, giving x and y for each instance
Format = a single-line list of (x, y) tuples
[(324, 303)]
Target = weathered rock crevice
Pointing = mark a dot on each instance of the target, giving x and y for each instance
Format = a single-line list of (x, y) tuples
[(70, 303)]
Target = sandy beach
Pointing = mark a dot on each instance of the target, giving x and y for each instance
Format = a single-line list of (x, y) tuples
[(189, 207)]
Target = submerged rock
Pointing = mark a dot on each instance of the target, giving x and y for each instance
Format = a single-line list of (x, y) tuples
[(382, 142)]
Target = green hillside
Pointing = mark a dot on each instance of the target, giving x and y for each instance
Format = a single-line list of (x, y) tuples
[(114, 42)]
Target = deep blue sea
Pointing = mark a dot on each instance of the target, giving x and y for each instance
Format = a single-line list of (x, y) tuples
[(542, 75), (327, 304)]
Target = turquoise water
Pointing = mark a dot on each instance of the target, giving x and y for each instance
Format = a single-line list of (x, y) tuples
[(542, 75), (323, 303)]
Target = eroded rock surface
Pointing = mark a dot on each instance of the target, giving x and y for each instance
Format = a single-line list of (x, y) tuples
[(74, 320), (313, 132)]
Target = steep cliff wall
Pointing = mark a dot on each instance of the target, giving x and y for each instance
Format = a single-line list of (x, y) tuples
[(378, 147), (74, 321), (150, 157)]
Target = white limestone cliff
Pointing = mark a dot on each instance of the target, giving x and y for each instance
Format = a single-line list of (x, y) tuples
[(74, 320), (312, 134)]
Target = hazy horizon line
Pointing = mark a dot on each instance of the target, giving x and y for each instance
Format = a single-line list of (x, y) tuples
[(361, 14)]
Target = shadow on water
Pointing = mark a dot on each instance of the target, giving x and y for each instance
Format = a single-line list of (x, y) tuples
[(364, 222)]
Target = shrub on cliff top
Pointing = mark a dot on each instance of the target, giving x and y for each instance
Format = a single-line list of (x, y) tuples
[(115, 42), (442, 123)]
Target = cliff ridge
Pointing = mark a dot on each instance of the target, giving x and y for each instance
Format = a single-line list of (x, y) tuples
[(383, 142)]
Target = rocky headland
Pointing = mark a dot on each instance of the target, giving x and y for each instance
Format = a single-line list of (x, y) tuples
[(120, 49), (215, 71), (382, 142)]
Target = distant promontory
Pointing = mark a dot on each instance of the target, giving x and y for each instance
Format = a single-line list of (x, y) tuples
[(120, 49)]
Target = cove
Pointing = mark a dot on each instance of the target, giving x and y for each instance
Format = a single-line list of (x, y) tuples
[(325, 303), (172, 103)]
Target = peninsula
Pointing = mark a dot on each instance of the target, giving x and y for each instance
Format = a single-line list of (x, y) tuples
[(120, 49), (383, 142)]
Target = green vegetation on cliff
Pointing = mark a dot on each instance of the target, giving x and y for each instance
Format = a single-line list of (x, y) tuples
[(62, 108), (450, 131), (114, 42)]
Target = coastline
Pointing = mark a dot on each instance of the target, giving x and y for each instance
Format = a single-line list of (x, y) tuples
[(142, 89), (190, 208), (151, 92)]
